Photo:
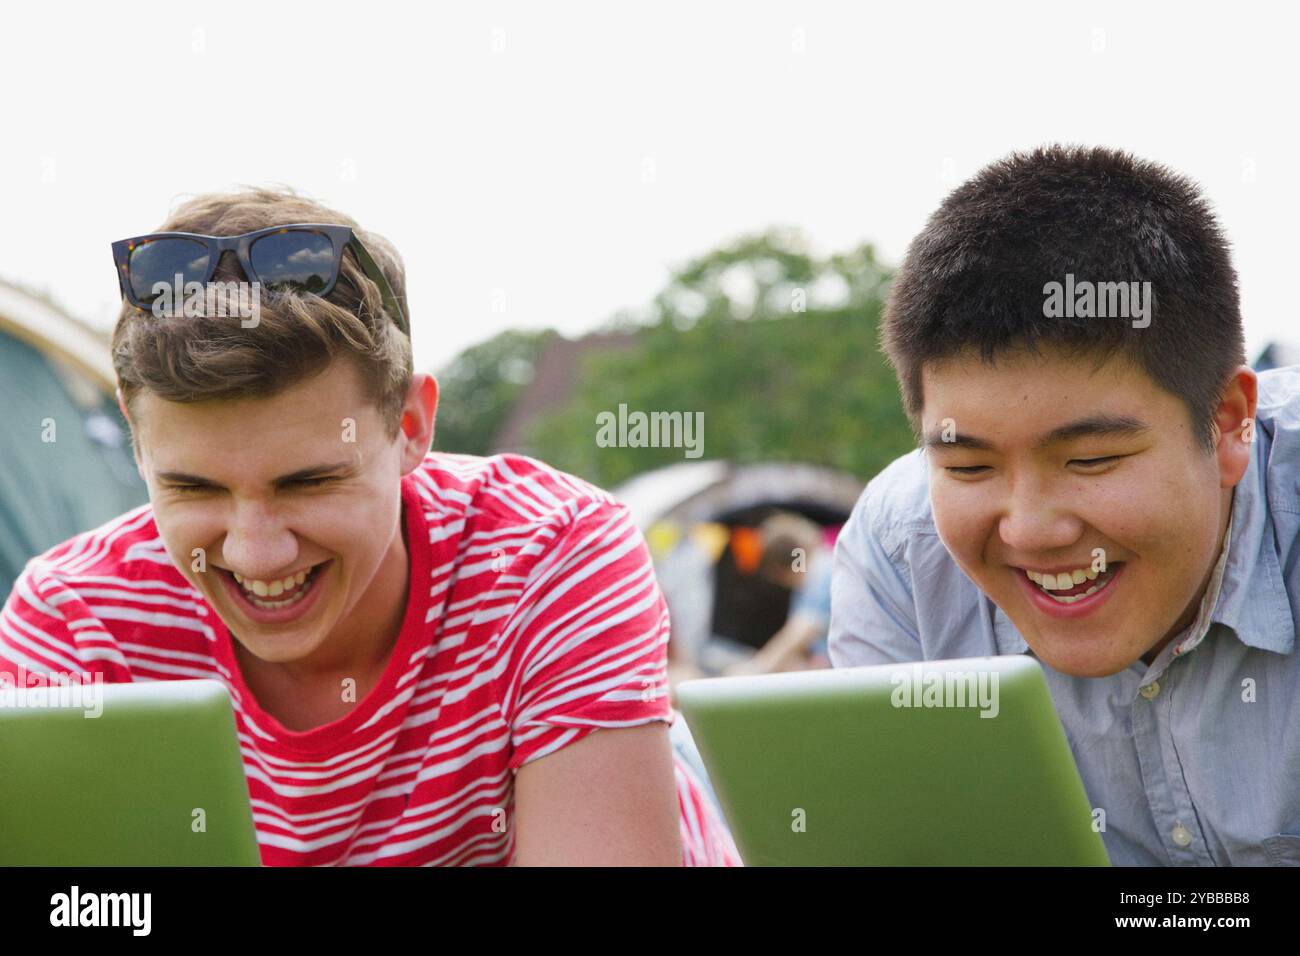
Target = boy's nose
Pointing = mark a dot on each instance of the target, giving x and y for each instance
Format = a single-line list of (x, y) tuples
[(1031, 527), (259, 547)]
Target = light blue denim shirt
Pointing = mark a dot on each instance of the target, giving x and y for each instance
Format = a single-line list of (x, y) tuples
[(1195, 759)]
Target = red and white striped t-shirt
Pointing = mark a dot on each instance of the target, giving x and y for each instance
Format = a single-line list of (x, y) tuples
[(533, 619)]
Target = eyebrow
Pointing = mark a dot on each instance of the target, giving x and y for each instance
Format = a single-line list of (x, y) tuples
[(315, 471), (1094, 426)]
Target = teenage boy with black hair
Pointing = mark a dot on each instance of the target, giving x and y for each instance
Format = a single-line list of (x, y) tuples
[(1102, 483)]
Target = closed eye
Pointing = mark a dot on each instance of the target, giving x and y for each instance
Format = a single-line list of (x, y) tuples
[(304, 482), (1082, 462)]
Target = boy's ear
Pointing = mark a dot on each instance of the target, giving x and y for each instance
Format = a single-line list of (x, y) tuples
[(1234, 422), (418, 416)]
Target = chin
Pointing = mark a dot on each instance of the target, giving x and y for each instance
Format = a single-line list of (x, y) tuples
[(1085, 664), (274, 651)]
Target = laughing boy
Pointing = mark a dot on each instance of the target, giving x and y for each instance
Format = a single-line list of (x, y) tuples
[(434, 658), (1101, 483)]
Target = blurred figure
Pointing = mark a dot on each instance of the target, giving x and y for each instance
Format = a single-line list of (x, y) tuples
[(795, 557)]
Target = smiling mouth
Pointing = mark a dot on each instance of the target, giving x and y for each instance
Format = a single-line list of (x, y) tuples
[(1073, 586), (278, 594)]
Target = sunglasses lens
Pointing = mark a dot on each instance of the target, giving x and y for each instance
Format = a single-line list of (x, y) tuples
[(299, 258), (161, 260)]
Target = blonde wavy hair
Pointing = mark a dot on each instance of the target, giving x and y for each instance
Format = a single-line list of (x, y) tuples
[(297, 335)]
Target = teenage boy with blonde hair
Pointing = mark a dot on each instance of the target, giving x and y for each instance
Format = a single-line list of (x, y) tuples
[(419, 645)]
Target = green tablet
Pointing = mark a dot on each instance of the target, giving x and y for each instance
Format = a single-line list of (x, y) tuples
[(937, 763), (144, 774)]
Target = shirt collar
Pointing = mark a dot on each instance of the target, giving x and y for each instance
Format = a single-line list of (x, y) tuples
[(1192, 635), (1252, 598)]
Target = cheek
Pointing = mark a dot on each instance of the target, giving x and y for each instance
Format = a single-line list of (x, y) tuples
[(1148, 513), (962, 517), (182, 533), (356, 525), (182, 537), (371, 512)]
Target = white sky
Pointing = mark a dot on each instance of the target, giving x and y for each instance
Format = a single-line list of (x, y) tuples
[(505, 147)]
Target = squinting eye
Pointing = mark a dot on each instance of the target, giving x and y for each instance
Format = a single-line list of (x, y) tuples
[(305, 482), (967, 469), (1088, 462)]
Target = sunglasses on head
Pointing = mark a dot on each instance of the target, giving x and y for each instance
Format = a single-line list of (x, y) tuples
[(303, 256)]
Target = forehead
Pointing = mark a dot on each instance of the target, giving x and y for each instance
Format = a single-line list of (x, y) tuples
[(304, 416), (1021, 376), (1027, 399)]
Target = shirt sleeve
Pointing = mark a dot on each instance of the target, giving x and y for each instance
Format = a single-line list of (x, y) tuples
[(590, 637), (873, 611), (47, 628)]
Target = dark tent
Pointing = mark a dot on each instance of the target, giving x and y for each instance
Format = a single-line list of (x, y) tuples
[(681, 505), (66, 463)]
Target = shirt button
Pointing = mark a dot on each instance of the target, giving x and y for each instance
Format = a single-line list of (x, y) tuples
[(1181, 835), (1150, 690)]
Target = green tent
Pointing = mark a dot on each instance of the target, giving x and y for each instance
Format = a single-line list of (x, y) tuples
[(65, 463)]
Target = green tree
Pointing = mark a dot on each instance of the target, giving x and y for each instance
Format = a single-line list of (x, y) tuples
[(775, 346), (480, 387)]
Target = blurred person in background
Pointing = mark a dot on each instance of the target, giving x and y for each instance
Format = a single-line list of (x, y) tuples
[(795, 557)]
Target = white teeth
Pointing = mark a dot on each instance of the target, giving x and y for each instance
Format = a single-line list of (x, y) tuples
[(1050, 582), (1071, 598), (1063, 581), (275, 605), (273, 588)]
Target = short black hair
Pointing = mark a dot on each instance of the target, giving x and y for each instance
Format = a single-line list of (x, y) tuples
[(976, 275)]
